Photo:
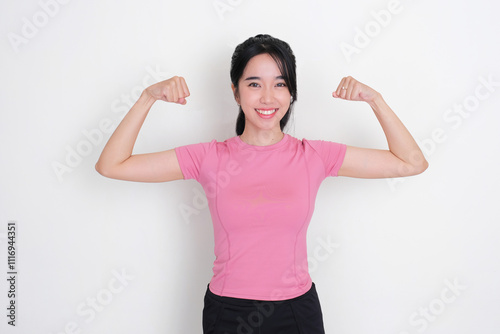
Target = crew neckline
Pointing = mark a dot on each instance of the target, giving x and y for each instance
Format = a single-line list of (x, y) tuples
[(274, 146)]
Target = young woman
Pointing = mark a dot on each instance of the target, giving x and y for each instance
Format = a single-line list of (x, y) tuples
[(261, 186)]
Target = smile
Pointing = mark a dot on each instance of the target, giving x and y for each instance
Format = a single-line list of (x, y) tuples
[(266, 111)]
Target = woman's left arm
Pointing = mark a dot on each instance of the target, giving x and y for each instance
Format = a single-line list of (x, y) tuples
[(403, 158)]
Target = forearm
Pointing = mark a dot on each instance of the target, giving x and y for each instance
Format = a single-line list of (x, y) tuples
[(399, 139), (121, 144)]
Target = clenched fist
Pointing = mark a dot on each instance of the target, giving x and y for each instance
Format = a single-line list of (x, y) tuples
[(352, 90), (172, 90)]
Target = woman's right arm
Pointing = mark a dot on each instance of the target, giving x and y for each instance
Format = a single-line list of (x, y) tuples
[(116, 160)]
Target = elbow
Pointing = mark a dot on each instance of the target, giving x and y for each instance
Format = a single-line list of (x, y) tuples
[(415, 169), (424, 167), (420, 169), (101, 169), (416, 163), (98, 168), (110, 171)]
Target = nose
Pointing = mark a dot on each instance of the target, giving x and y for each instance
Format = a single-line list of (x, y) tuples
[(267, 95)]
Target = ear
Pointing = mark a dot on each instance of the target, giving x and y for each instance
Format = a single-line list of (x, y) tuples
[(235, 93)]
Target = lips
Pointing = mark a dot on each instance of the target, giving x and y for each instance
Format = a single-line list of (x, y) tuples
[(266, 113)]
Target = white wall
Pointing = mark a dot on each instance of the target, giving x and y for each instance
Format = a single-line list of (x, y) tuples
[(393, 247)]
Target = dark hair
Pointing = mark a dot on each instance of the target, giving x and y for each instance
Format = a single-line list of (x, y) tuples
[(281, 53)]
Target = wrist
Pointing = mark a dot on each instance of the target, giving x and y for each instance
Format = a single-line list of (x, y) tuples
[(377, 101), (146, 98)]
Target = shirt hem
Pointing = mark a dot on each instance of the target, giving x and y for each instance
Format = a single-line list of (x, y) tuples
[(271, 297)]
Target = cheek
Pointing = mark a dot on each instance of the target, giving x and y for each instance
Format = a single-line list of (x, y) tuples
[(285, 99), (248, 95), (283, 94)]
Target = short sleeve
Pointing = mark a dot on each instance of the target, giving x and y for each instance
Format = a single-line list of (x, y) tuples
[(191, 158), (332, 154)]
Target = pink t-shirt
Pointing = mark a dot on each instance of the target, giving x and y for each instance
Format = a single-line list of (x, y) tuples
[(261, 199)]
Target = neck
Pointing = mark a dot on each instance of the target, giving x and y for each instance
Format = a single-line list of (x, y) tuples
[(261, 138)]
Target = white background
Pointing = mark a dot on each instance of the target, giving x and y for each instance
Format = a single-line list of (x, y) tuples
[(70, 68)]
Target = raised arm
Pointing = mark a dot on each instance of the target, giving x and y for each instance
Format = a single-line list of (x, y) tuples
[(116, 160), (403, 158)]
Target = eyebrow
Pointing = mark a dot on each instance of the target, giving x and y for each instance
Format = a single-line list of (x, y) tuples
[(259, 78)]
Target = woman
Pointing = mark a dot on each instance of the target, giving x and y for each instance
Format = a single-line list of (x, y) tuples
[(261, 186)]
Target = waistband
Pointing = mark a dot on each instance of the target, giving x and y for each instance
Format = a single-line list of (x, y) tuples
[(252, 302)]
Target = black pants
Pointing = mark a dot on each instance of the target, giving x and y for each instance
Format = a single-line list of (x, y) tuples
[(226, 315)]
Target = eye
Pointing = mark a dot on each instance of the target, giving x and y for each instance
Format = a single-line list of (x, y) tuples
[(253, 84), (281, 84)]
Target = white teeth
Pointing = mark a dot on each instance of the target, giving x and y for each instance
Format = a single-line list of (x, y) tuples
[(266, 112)]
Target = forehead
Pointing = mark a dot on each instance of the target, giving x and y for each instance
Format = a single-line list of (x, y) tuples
[(262, 65)]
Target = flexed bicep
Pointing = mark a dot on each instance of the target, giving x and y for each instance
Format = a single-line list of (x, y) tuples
[(116, 160), (374, 163), (150, 167)]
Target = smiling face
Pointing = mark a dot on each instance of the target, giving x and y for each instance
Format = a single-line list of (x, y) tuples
[(263, 95)]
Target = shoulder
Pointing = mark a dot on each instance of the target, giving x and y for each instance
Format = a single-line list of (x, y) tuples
[(325, 149), (212, 144), (314, 144)]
